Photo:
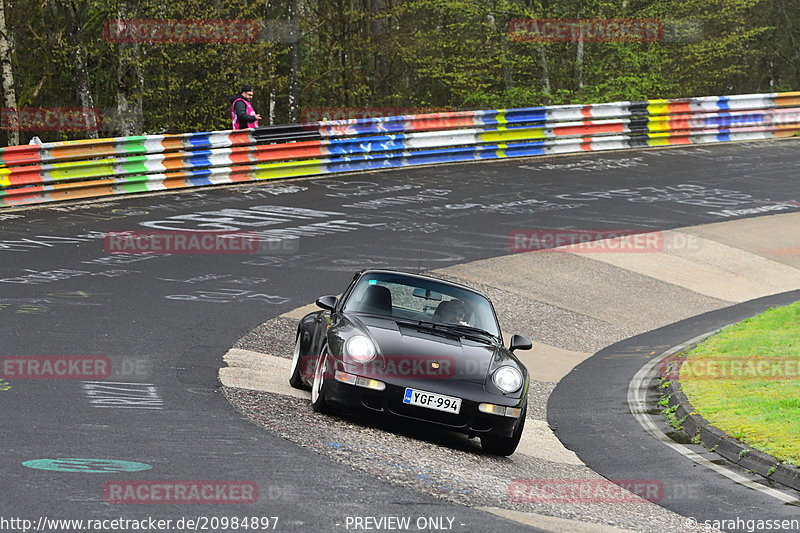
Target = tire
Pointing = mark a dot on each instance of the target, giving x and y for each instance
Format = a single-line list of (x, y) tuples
[(295, 379), (318, 402), (505, 446)]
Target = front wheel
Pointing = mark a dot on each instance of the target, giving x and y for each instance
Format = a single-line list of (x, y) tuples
[(318, 402), (505, 446), (295, 379)]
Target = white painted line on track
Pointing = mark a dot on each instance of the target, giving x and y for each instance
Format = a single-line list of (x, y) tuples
[(637, 396)]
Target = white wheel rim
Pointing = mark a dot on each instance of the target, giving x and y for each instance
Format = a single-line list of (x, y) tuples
[(318, 379), (295, 357)]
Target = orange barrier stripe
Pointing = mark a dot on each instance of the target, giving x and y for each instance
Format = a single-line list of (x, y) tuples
[(788, 99), (175, 180), (67, 152), (172, 143), (589, 129), (173, 162), (96, 189)]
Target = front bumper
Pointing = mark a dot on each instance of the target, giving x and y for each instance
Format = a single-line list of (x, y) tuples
[(389, 401)]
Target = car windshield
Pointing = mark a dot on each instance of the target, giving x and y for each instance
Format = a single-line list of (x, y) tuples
[(421, 300)]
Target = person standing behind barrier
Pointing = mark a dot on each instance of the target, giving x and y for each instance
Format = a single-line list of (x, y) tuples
[(243, 115)]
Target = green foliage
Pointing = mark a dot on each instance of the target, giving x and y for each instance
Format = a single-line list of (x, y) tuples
[(744, 381), (421, 54)]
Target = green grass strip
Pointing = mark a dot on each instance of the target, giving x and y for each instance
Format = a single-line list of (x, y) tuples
[(746, 381)]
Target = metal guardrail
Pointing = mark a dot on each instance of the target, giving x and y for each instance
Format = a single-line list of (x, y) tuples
[(92, 168)]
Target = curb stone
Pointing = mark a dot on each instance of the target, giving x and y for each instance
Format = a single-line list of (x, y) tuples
[(726, 446)]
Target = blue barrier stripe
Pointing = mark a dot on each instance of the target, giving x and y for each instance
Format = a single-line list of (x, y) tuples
[(532, 114), (197, 181), (156, 183), (200, 139), (199, 160), (386, 142), (520, 151)]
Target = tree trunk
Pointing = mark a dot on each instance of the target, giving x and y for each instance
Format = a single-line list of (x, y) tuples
[(293, 96), (545, 76), (84, 91), (271, 90), (377, 37), (579, 62), (130, 80), (9, 90)]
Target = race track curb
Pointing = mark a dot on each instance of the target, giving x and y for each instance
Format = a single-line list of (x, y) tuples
[(735, 451)]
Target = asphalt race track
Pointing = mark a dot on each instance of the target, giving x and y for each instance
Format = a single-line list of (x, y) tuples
[(164, 321), (589, 413)]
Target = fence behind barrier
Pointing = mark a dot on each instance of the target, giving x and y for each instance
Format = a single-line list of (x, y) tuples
[(123, 165)]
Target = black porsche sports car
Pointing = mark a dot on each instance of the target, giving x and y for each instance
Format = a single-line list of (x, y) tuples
[(415, 347)]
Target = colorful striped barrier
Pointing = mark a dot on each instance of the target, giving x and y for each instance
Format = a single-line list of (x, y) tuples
[(91, 168)]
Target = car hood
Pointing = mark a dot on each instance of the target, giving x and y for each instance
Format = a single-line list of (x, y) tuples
[(469, 359)]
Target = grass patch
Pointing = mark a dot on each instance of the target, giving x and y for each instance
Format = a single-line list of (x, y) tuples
[(745, 381)]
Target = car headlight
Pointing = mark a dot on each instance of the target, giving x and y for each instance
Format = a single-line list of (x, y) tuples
[(507, 379), (360, 348)]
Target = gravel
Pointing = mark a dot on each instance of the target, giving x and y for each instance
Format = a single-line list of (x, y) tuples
[(275, 337), (442, 464)]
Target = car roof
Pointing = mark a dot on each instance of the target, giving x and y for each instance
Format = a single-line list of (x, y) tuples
[(420, 276)]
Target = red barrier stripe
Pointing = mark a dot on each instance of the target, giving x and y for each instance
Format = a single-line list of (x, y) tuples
[(16, 155), (589, 128), (242, 154), (280, 152), (27, 175), (679, 107)]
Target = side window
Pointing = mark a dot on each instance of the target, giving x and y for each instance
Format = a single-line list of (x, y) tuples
[(348, 291)]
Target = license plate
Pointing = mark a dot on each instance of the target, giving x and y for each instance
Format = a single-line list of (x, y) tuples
[(431, 400)]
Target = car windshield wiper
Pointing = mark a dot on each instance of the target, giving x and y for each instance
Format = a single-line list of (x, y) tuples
[(430, 327), (459, 329), (467, 329)]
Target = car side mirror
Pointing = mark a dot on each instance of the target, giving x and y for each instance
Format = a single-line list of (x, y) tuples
[(327, 302), (518, 342)]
